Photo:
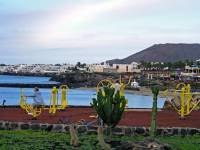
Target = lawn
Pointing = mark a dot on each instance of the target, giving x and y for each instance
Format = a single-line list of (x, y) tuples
[(40, 140)]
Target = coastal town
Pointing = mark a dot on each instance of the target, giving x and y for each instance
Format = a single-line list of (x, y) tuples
[(152, 70)]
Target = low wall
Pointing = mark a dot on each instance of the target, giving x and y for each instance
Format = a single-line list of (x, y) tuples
[(119, 130)]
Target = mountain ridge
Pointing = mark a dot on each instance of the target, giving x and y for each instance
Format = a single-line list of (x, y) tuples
[(169, 52)]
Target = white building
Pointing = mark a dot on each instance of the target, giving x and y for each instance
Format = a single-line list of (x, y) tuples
[(135, 84), (3, 68), (98, 67), (66, 68), (191, 71), (37, 69), (51, 69), (121, 68)]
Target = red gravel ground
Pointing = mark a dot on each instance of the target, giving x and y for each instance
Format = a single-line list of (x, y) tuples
[(134, 117)]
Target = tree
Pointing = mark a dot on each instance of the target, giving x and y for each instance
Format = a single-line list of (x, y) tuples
[(198, 63), (57, 64), (78, 64)]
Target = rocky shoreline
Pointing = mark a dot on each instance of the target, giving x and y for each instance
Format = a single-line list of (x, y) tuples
[(77, 80)]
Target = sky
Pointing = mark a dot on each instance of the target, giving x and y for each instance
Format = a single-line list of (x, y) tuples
[(92, 31)]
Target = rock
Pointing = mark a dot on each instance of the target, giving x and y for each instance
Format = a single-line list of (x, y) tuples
[(92, 132), (148, 144), (43, 127), (153, 145), (140, 131), (49, 128), (92, 129), (192, 131), (7, 124), (166, 132), (118, 131), (66, 128), (25, 126), (58, 128), (35, 127), (78, 79), (128, 131), (183, 132), (1, 123), (169, 132), (81, 129), (175, 131), (159, 131), (14, 126), (2, 126)]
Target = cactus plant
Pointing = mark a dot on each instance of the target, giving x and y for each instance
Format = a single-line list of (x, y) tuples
[(153, 129), (109, 106)]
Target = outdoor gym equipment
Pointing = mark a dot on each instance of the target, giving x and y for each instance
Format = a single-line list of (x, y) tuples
[(188, 101), (123, 85), (54, 101), (55, 104), (34, 111), (110, 83), (64, 101)]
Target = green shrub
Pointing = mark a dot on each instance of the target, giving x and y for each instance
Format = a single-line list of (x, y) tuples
[(23, 140)]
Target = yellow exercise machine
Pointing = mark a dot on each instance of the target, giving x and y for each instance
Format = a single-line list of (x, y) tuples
[(55, 104), (64, 101), (187, 100), (33, 111), (123, 85), (110, 83), (54, 101)]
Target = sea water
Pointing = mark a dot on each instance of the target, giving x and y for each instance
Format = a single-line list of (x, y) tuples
[(76, 97)]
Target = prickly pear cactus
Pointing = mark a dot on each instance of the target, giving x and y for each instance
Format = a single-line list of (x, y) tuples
[(109, 106), (153, 129)]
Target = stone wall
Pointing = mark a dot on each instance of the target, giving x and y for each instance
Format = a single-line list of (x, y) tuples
[(120, 130)]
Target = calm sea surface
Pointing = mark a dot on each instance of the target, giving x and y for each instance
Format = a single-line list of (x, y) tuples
[(81, 97), (25, 79)]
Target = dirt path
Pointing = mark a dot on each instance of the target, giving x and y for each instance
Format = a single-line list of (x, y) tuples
[(135, 117)]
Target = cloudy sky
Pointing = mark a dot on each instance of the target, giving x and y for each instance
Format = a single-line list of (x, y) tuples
[(57, 31)]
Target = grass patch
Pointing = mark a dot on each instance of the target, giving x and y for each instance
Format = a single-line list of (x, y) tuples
[(40, 140), (183, 143)]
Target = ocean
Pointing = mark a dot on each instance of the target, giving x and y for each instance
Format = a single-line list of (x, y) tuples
[(76, 97)]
